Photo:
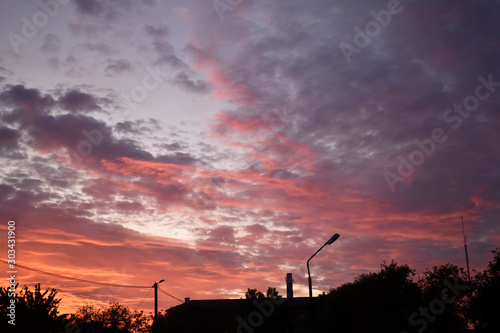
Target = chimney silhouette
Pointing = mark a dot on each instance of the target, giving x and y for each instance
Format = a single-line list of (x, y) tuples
[(289, 285)]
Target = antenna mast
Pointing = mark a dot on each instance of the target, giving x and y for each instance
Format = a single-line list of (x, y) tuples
[(465, 245)]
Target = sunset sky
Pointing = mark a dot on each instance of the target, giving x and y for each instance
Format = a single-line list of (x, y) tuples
[(218, 144)]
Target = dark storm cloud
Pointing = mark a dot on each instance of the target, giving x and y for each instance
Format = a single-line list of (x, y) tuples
[(46, 132), (8, 136), (77, 101), (9, 143), (53, 132), (58, 132), (28, 103)]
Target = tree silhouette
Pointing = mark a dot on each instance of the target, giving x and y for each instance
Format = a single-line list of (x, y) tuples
[(272, 292), (35, 311), (375, 302), (253, 294), (485, 307), (443, 290), (113, 318)]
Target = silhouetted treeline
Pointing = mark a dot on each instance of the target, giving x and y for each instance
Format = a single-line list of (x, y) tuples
[(443, 300), (37, 311)]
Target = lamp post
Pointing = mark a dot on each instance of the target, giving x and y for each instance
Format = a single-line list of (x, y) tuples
[(329, 242), (155, 324)]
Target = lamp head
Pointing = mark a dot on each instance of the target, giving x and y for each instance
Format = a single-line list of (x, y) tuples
[(332, 239)]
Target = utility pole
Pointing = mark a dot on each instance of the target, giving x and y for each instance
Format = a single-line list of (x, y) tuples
[(465, 245), (155, 324)]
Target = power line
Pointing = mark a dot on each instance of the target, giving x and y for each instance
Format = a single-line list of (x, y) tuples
[(91, 282), (163, 291), (76, 279), (143, 299)]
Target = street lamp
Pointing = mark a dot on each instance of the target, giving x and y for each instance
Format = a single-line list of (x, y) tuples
[(155, 324), (328, 242)]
